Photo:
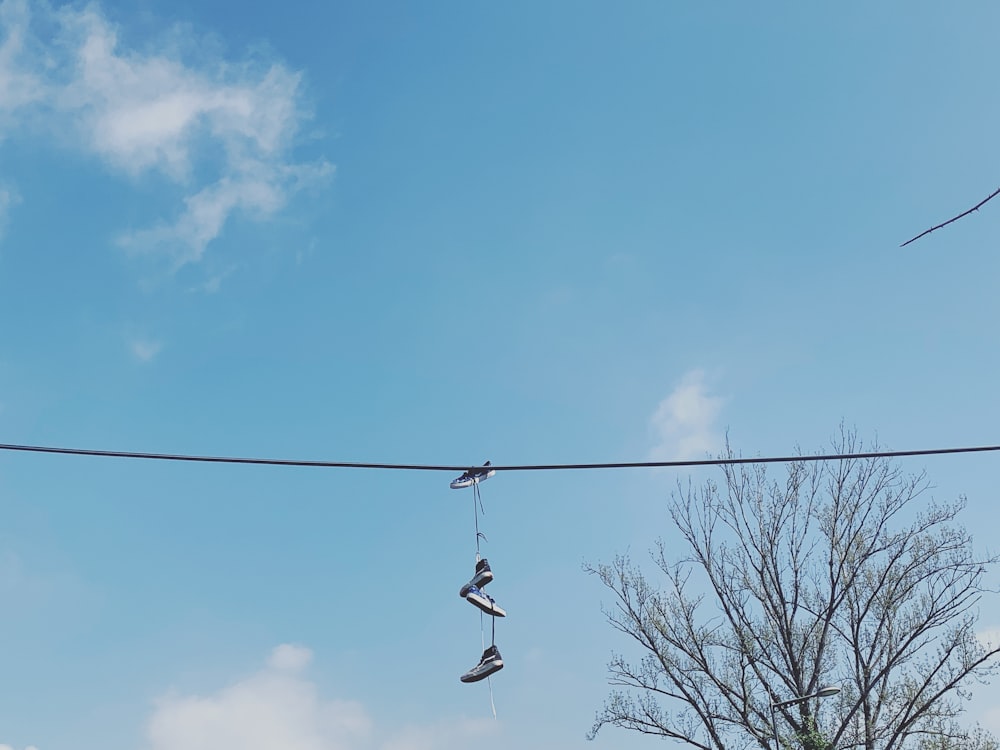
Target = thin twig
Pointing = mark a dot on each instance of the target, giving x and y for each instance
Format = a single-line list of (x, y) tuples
[(976, 207)]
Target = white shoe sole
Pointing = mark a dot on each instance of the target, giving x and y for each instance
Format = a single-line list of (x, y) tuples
[(481, 673), (463, 481), (485, 605)]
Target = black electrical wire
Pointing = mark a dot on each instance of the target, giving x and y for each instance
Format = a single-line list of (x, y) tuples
[(513, 467)]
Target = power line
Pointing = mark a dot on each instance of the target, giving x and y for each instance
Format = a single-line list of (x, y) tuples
[(514, 467)]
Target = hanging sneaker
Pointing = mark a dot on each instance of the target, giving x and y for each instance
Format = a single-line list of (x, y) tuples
[(490, 663), (483, 576), (473, 476), (484, 601), (461, 482)]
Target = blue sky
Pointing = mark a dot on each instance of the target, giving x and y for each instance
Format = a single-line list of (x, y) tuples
[(441, 233)]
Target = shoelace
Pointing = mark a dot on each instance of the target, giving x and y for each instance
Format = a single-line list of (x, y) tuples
[(477, 508), (489, 678)]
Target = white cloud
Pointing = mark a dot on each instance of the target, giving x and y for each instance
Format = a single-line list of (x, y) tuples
[(683, 425), (222, 132), (278, 707), (145, 350), (9, 747), (275, 708)]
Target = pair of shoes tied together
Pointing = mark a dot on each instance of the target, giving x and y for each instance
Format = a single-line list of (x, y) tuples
[(473, 592)]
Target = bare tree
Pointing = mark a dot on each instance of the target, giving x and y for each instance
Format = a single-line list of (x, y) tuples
[(843, 572)]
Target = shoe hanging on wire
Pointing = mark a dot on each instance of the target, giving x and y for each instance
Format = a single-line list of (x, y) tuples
[(480, 578), (472, 591), (473, 476), (490, 662)]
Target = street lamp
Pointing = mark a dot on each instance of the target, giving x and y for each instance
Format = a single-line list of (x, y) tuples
[(824, 692)]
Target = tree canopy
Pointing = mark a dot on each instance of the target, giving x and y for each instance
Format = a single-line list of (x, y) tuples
[(841, 573)]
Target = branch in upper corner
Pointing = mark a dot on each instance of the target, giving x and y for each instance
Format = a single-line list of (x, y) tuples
[(976, 207)]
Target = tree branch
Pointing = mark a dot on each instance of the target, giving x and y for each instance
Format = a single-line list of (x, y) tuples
[(976, 207)]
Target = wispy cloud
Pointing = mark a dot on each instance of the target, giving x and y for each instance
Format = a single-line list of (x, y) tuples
[(683, 425), (145, 350), (289, 657), (223, 132), (19, 85), (214, 282), (8, 198)]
